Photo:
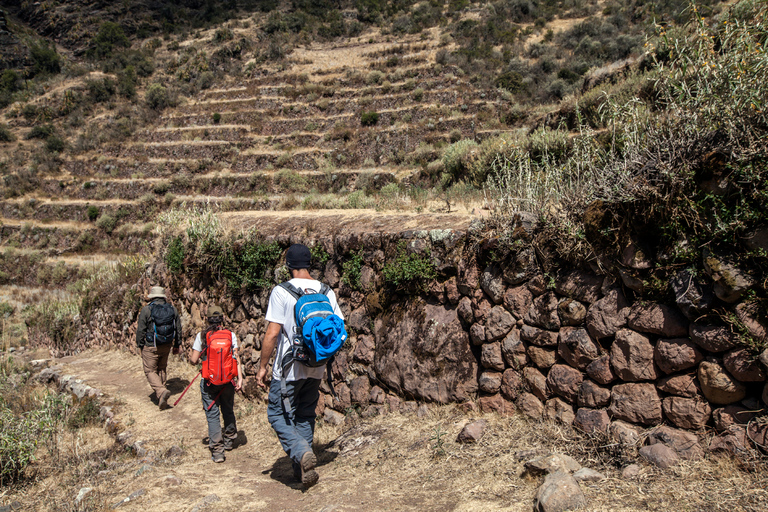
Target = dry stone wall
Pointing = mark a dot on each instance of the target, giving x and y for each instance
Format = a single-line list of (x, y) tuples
[(498, 334)]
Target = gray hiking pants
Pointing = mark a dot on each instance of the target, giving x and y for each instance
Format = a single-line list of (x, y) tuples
[(223, 408)]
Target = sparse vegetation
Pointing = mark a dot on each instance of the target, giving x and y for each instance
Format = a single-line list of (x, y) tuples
[(409, 271)]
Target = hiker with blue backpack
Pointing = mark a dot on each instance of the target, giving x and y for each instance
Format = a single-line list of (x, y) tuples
[(305, 328), (158, 332), (222, 375)]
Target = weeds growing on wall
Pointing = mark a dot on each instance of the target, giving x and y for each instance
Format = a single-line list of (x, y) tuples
[(351, 270), (245, 260), (408, 271)]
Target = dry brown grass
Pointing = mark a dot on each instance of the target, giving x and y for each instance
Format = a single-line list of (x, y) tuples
[(391, 462)]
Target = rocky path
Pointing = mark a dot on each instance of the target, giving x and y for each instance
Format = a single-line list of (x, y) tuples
[(255, 476)]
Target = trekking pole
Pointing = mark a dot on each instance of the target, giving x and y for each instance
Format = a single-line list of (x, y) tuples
[(185, 390), (214, 400)]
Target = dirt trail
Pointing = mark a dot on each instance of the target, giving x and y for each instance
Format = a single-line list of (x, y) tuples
[(256, 475)]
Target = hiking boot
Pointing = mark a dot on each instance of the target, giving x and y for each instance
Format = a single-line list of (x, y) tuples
[(309, 476), (217, 457), (163, 401), (229, 445)]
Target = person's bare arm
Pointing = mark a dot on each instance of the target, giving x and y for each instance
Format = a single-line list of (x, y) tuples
[(240, 374), (267, 348), (194, 356)]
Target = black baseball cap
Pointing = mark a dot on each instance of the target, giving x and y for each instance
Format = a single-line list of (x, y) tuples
[(298, 256)]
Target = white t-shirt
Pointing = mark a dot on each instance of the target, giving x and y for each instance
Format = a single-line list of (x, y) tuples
[(280, 311), (198, 344)]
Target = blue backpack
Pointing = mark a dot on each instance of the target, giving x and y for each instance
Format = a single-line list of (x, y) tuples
[(319, 334)]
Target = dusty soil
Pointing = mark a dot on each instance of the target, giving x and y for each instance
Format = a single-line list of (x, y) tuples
[(256, 475), (405, 462)]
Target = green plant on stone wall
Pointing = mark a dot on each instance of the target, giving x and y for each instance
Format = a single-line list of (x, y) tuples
[(174, 256), (408, 271), (319, 255), (351, 270), (245, 263)]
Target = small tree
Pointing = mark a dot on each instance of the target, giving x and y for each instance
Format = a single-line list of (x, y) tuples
[(110, 35), (45, 58), (156, 97)]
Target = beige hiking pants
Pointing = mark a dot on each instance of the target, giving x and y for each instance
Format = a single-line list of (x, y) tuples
[(155, 361)]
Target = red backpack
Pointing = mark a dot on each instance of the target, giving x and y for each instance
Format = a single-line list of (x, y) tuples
[(219, 366)]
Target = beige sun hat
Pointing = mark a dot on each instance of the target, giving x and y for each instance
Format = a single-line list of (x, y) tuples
[(156, 292), (215, 310)]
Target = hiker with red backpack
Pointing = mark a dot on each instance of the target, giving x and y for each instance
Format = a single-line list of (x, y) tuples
[(222, 375), (158, 332), (306, 327)]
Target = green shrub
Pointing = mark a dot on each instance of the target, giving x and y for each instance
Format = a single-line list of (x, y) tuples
[(157, 97), (408, 271), (351, 270), (369, 118), (246, 264), (45, 58), (55, 144), (5, 134), (92, 212), (85, 413), (216, 118), (107, 223), (458, 157), (174, 256), (126, 82), (101, 90), (319, 255), (223, 34), (109, 37), (40, 132), (22, 433)]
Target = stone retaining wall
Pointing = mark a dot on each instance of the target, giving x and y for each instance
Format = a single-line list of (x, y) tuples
[(497, 333)]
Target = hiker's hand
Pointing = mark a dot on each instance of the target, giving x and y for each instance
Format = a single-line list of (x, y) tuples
[(239, 383), (177, 350), (260, 378)]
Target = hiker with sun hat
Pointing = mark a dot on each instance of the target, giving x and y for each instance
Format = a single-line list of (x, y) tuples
[(158, 332)]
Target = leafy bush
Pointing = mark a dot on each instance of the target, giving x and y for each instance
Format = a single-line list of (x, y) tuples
[(157, 97), (351, 270), (126, 82), (5, 134), (109, 37), (408, 271), (55, 144), (22, 433), (223, 34), (92, 212), (216, 118), (107, 223), (45, 58), (174, 256), (101, 90), (42, 131), (457, 159), (369, 118), (246, 264)]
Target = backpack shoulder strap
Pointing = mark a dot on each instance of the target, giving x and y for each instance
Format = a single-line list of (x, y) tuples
[(295, 292), (324, 289)]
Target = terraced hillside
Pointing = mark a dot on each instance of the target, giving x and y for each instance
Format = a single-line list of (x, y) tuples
[(338, 129)]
